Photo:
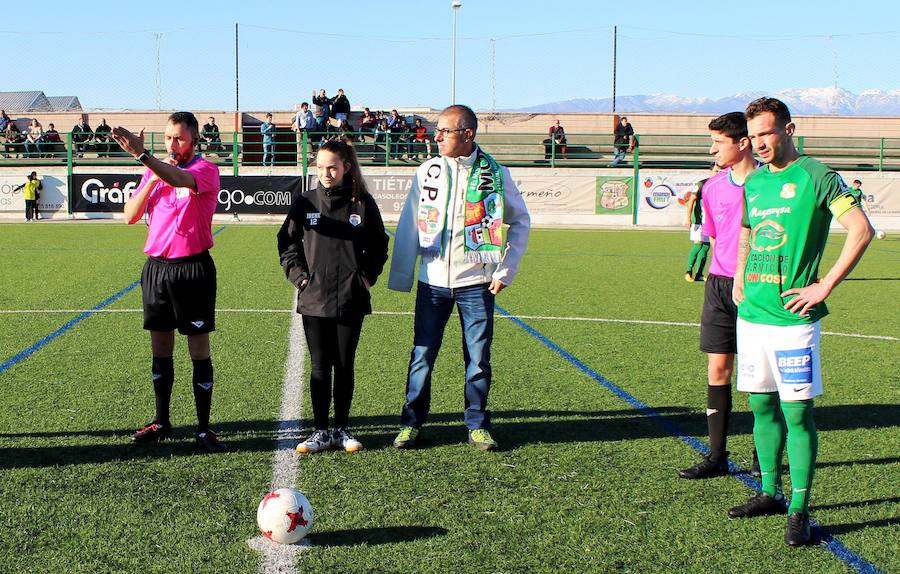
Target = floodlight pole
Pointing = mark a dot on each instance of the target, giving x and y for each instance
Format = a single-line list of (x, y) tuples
[(615, 44), (455, 5)]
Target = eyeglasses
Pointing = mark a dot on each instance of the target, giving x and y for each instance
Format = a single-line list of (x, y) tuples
[(445, 131)]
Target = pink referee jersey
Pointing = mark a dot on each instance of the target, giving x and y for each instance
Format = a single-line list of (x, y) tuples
[(180, 222), (723, 207)]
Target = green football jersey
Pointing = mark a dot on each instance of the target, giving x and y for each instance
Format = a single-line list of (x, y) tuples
[(788, 213)]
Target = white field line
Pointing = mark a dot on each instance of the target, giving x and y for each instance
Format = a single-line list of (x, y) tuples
[(282, 558), (410, 313)]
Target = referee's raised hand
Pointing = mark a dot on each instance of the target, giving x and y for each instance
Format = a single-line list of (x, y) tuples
[(129, 142)]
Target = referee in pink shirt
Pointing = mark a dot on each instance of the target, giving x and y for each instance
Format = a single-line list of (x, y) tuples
[(178, 283)]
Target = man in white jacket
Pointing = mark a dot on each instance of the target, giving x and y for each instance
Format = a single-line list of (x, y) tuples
[(453, 218)]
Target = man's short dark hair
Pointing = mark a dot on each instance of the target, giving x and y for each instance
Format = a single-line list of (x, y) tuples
[(857, 181), (304, 104), (468, 119), (776, 107), (732, 124), (186, 119)]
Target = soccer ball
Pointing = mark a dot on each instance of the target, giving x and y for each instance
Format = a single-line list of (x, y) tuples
[(880, 234), (285, 516)]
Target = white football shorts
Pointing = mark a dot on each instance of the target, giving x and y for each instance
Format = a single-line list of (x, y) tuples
[(779, 358), (697, 234)]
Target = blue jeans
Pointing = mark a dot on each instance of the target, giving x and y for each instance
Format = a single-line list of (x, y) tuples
[(476, 316), (619, 157), (268, 154)]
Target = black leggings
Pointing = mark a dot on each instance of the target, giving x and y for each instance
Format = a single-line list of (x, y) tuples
[(332, 345)]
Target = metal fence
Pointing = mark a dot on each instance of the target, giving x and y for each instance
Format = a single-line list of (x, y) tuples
[(589, 150)]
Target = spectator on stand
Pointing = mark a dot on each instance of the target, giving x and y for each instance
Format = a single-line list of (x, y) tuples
[(381, 136), (5, 120), (622, 141), (340, 107), (393, 119), (558, 135), (210, 135), (34, 139), (400, 135), (53, 144), (367, 124), (304, 122), (15, 139), (321, 112), (268, 139), (421, 140), (103, 137), (81, 135)]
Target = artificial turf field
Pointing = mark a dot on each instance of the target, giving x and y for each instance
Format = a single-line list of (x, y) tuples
[(584, 481)]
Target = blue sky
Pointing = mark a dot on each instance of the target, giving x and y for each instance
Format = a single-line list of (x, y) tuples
[(398, 53)]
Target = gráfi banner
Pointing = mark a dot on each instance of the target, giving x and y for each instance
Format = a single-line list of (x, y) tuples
[(260, 194)]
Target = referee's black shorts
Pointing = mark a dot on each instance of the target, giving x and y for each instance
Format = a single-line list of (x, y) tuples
[(180, 294), (718, 321)]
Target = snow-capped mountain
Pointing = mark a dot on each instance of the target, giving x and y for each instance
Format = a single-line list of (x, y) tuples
[(802, 101)]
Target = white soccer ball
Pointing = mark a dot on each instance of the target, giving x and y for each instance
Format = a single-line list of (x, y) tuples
[(285, 516), (880, 234)]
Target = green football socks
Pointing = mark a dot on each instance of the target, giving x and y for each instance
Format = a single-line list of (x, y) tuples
[(802, 446), (769, 435)]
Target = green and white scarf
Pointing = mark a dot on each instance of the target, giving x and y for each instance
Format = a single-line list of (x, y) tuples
[(483, 215)]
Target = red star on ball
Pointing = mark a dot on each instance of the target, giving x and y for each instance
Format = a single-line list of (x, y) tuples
[(296, 519)]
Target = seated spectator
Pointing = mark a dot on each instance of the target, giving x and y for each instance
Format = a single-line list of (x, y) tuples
[(53, 144), (344, 132), (558, 141), (394, 119), (367, 123), (400, 136), (381, 135), (15, 140), (81, 135), (209, 135), (421, 141), (103, 137), (34, 135)]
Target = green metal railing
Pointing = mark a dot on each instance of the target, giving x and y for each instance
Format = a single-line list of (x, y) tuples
[(241, 150)]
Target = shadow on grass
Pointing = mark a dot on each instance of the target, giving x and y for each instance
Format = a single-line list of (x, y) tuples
[(857, 504), (513, 429), (375, 536), (865, 461), (840, 529)]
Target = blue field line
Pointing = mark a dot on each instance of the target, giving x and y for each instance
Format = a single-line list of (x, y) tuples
[(22, 355), (831, 543)]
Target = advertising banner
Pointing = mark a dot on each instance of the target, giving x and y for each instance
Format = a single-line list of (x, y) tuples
[(614, 195), (108, 192), (52, 200), (663, 195), (562, 194)]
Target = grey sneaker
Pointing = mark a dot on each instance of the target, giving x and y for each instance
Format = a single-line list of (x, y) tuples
[(318, 441), (342, 439)]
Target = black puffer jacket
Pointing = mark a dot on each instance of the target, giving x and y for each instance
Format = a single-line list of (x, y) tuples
[(330, 246)]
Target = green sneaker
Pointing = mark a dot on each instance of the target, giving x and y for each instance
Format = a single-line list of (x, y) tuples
[(406, 438), (481, 439)]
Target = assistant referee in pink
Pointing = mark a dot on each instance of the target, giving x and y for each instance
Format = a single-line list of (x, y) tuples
[(178, 283)]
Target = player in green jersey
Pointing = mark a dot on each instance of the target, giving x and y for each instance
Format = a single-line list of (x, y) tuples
[(788, 207)]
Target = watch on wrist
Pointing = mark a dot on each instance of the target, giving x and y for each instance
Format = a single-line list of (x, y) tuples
[(145, 155)]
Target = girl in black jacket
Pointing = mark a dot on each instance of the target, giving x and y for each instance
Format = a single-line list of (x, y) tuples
[(333, 248)]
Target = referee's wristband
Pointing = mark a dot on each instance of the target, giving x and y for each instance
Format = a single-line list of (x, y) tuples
[(144, 157)]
